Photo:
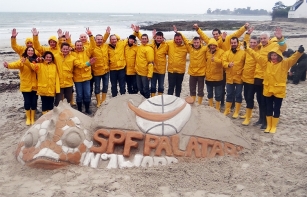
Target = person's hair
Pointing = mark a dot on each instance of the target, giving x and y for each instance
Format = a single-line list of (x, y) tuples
[(50, 53), (112, 36), (177, 35), (196, 38), (219, 31), (235, 38), (65, 44), (144, 35), (25, 55), (97, 35), (279, 58), (265, 33), (254, 38), (159, 33), (78, 41)]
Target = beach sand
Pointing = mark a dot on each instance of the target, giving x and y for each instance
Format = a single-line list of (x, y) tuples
[(274, 166)]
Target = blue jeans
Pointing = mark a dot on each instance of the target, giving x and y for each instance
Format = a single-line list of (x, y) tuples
[(120, 77), (175, 80), (83, 91), (234, 90), (105, 82), (160, 78), (143, 85), (131, 84), (218, 91)]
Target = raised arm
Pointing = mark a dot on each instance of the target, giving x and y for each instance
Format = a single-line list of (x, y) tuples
[(36, 43), (17, 48), (106, 35), (280, 39), (293, 59), (201, 34), (240, 31)]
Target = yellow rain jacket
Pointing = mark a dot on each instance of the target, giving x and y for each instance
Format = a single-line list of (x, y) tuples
[(264, 50), (144, 60), (275, 75), (101, 65), (177, 57), (48, 78), (28, 82), (117, 59), (197, 65), (234, 74), (206, 39), (85, 73), (21, 49), (130, 55), (214, 69), (65, 66), (43, 49), (226, 44)]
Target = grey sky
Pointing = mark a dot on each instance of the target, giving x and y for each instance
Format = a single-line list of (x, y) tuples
[(133, 6)]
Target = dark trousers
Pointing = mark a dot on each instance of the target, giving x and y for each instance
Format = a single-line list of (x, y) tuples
[(83, 91), (260, 98), (223, 88), (131, 84), (118, 77), (156, 77), (64, 92), (234, 91), (218, 91), (105, 83), (198, 81), (47, 102), (175, 81), (249, 95), (30, 100), (273, 105), (143, 85)]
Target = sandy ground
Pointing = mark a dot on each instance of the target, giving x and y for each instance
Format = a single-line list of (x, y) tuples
[(274, 166)]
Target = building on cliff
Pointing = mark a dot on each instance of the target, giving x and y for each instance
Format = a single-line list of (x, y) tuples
[(298, 10)]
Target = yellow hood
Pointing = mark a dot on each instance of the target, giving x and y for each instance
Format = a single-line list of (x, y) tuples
[(53, 38), (275, 50), (28, 40), (212, 41)]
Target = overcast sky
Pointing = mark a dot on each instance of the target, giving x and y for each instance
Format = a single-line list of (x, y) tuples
[(134, 6)]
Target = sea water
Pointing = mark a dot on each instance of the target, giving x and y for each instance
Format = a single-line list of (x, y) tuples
[(48, 23)]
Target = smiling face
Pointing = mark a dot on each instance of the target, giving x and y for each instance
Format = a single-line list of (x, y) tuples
[(30, 52), (56, 139), (79, 46), (178, 40), (83, 38), (216, 35)]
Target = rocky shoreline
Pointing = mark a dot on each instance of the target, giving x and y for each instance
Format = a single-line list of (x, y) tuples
[(290, 29)]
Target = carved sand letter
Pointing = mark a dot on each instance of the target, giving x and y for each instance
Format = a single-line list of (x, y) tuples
[(157, 117), (230, 149), (114, 140), (204, 145), (175, 145), (129, 143), (193, 145), (103, 142), (165, 145), (217, 149), (151, 142)]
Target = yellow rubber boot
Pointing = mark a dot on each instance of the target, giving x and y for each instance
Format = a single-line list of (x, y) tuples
[(274, 124), (33, 116), (152, 94), (98, 100), (237, 110), (210, 102), (72, 102), (227, 108), (218, 105), (200, 100), (268, 124), (248, 117), (194, 97), (28, 117), (103, 97), (160, 93)]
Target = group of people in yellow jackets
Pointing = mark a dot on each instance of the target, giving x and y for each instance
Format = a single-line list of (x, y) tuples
[(257, 66)]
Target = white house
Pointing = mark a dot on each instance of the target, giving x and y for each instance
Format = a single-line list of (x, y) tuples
[(298, 10)]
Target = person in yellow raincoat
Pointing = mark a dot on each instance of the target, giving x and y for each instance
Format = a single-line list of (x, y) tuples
[(144, 66), (48, 80), (233, 62), (130, 55), (274, 81), (28, 83), (214, 73)]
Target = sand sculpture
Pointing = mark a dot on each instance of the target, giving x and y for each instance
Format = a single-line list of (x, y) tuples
[(129, 131)]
